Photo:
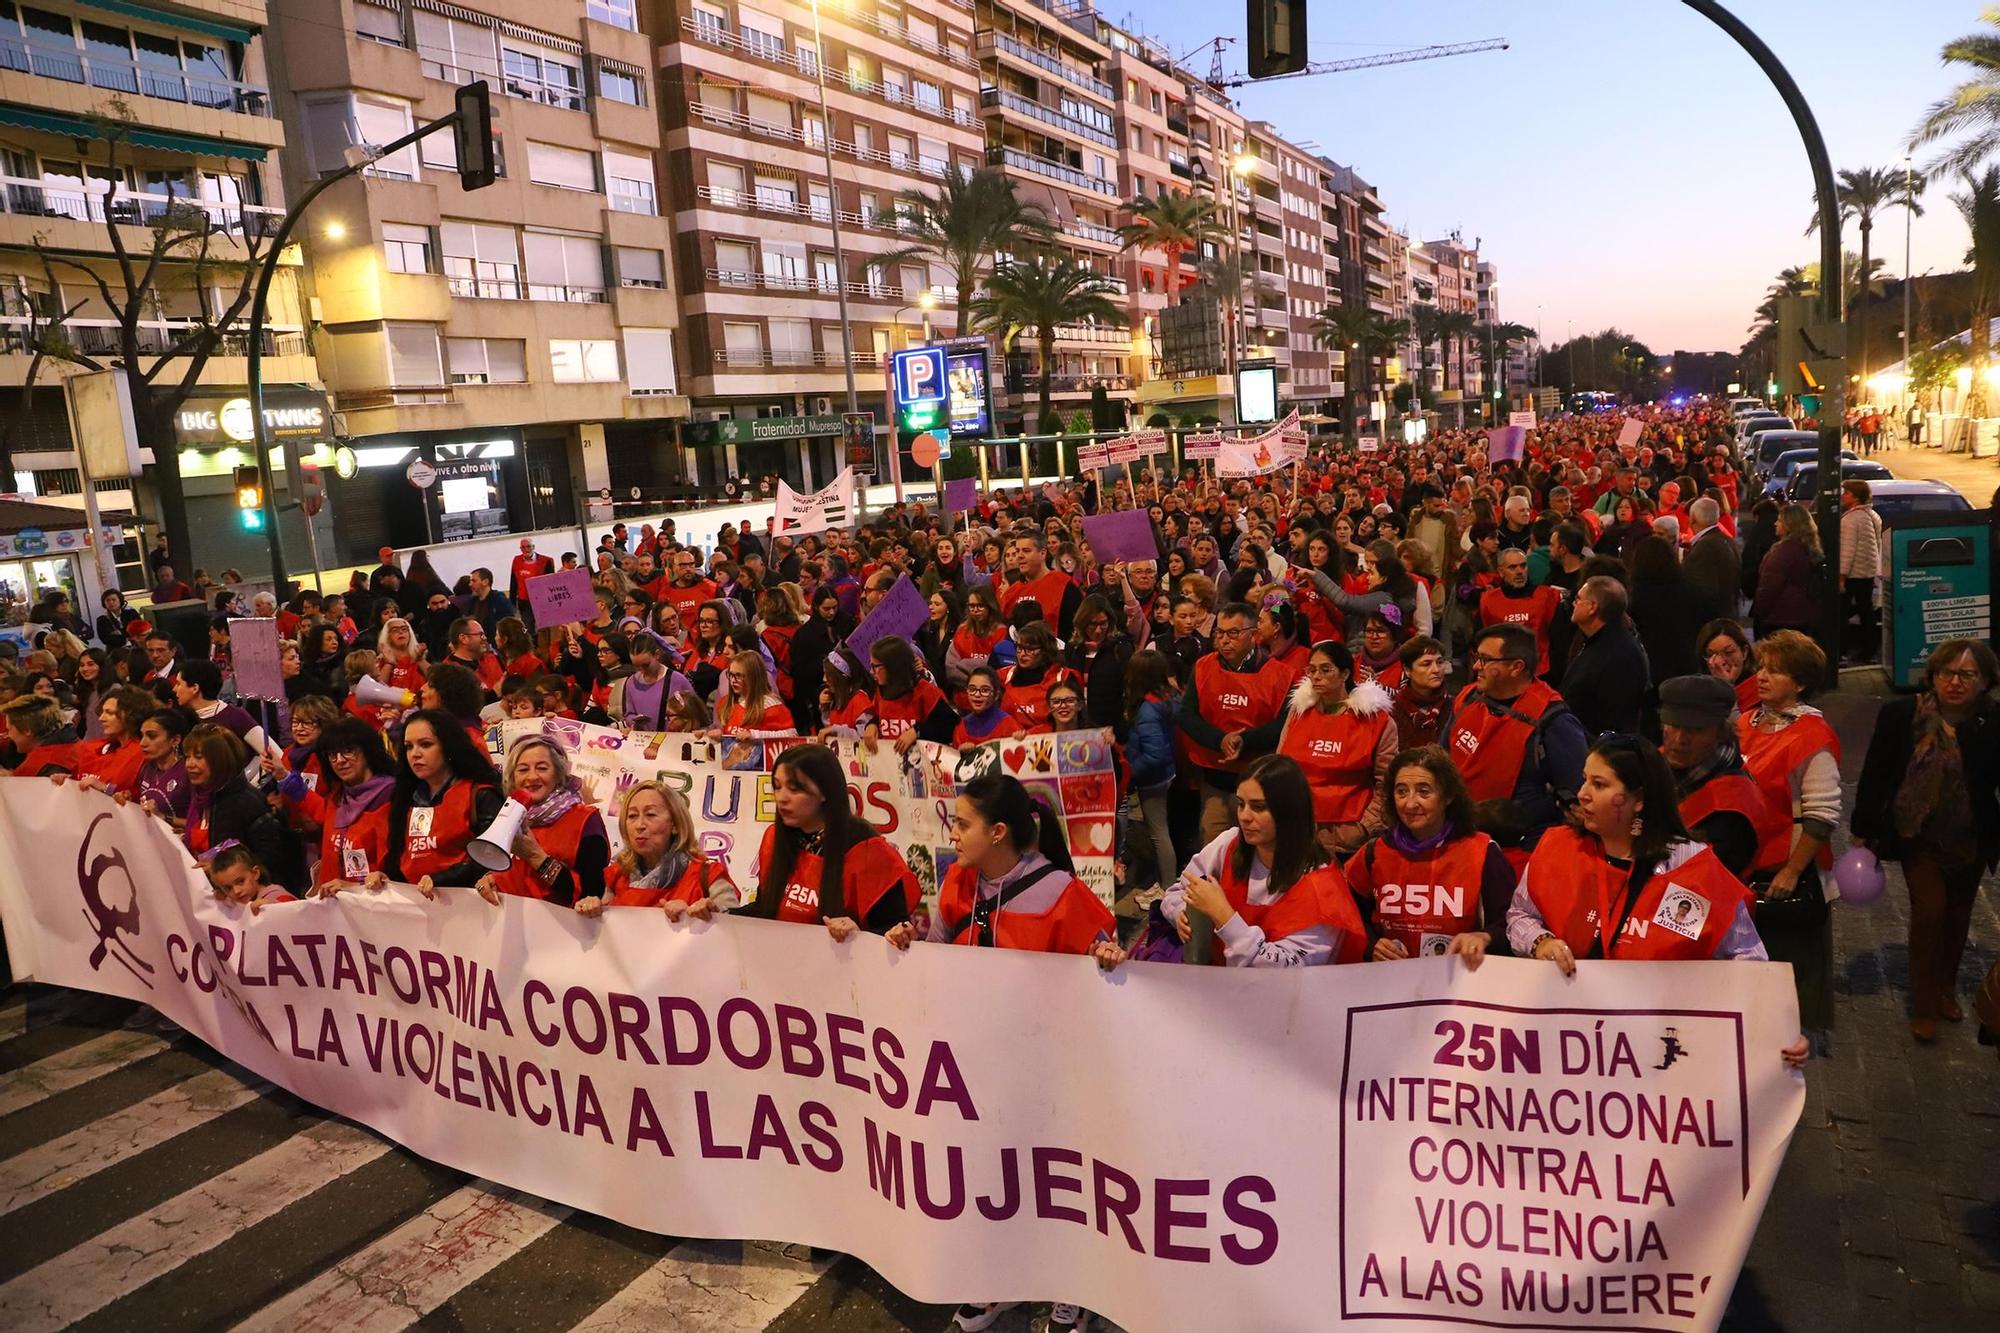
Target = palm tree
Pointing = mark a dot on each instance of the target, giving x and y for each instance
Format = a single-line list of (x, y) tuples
[(1972, 108), (1495, 340), (1453, 326), (1425, 322), (1979, 204), (1223, 276), (972, 218), (1175, 222), (1358, 330), (1038, 295), (1860, 195)]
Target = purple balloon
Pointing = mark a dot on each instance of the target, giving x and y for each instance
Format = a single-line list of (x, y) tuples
[(1859, 876)]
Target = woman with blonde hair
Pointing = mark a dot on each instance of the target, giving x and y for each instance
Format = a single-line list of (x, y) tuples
[(662, 864), (398, 646)]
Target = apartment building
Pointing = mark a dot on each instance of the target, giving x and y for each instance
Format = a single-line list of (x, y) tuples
[(521, 340), (1453, 268), (198, 151), (778, 170)]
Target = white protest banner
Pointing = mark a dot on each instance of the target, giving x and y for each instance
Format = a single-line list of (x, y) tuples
[(255, 659), (1370, 444), (1525, 420), (1124, 449), (1172, 1147), (1201, 444), (728, 789), (1629, 433), (829, 507), (1255, 457)]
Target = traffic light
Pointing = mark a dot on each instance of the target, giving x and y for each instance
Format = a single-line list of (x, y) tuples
[(250, 498), (473, 134), (1277, 30)]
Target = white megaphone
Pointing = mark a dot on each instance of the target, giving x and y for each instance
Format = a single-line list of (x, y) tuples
[(374, 694), (494, 849)]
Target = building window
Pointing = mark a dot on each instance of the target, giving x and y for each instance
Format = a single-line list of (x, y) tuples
[(711, 22), (763, 35), (639, 267), (564, 168), (454, 50), (583, 361), (617, 13), (615, 84), (487, 360), (628, 179), (826, 273), (791, 342), (743, 344), (649, 361), (564, 267), (406, 249), (380, 21), (735, 263), (415, 360), (540, 76), (481, 260)]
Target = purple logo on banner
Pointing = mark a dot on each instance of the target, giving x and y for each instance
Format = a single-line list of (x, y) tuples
[(901, 613), (961, 495), (1125, 535), (562, 598), (1503, 442)]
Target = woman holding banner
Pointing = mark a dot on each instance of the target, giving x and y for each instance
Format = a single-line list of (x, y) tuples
[(823, 863), (662, 865), (1432, 883), (353, 816), (908, 707), (559, 843), (1264, 889), (1624, 880), (446, 793), (112, 761)]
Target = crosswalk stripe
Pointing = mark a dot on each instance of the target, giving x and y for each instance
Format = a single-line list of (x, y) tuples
[(79, 1064), (62, 1162), (710, 1287), (394, 1282), (89, 1276), (14, 1019)]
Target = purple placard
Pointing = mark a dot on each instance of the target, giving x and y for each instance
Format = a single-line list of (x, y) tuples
[(562, 598), (1124, 535), (901, 613), (1503, 442), (961, 495), (253, 658)]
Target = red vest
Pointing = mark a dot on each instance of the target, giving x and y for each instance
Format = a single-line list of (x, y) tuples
[(1320, 898), (1005, 727), (870, 869), (118, 765), (1323, 619), (1737, 793), (893, 717), (1337, 751), (1047, 592), (686, 601), (1537, 610), (356, 851), (1747, 697), (438, 834), (701, 878), (560, 840), (1770, 756), (1295, 660), (48, 760), (1235, 701), (1488, 747), (1072, 925), (778, 638), (977, 650), (1680, 914), (849, 713), (1029, 704), (1423, 901), (406, 673)]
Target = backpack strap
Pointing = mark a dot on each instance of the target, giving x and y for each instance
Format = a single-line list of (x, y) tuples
[(954, 928)]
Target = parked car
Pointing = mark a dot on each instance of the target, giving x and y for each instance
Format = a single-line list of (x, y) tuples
[(1787, 465), (1748, 431), (1804, 486), (1900, 498), (1774, 444)]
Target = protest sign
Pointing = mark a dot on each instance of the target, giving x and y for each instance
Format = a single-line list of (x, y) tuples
[(1525, 420), (1397, 1141), (901, 612), (255, 659), (961, 495), (1091, 457), (829, 507), (562, 598), (1255, 457), (1124, 449), (1505, 442), (1370, 444), (1202, 444), (1124, 535), (1629, 433)]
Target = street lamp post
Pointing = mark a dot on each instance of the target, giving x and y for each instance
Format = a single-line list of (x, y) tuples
[(1909, 214)]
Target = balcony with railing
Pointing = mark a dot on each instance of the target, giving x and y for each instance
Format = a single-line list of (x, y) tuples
[(876, 23), (1090, 83), (758, 46), (44, 198), (751, 358), (992, 97), (168, 82), (1092, 333), (1042, 166), (1090, 231), (20, 334)]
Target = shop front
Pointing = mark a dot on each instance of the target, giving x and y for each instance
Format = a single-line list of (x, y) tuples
[(216, 434), (45, 549)]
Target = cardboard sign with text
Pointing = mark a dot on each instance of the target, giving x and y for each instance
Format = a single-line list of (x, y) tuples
[(562, 598)]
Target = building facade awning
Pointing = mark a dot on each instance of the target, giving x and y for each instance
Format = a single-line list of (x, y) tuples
[(206, 27), (75, 127)]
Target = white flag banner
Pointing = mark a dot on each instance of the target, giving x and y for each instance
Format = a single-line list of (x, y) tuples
[(1172, 1147), (832, 506)]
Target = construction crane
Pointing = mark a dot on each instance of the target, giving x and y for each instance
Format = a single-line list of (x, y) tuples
[(1359, 62)]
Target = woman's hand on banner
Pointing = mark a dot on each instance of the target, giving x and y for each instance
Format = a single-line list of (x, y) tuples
[(1388, 951), (840, 927), (488, 888), (1108, 954), (426, 887), (1796, 1054), (1471, 946), (592, 906), (376, 881), (901, 934), (1558, 952)]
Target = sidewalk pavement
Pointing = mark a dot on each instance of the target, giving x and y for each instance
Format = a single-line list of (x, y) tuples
[(1974, 478), (1886, 1213)]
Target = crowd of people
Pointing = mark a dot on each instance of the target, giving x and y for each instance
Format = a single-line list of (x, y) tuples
[(1570, 691)]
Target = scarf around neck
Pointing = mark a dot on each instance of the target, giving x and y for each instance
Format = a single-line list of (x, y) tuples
[(555, 805)]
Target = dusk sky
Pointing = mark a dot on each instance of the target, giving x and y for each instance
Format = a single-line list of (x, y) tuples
[(1624, 162)]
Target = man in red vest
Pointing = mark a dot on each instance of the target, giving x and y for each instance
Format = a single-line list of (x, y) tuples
[(1518, 745), (1515, 603), (1719, 802), (1054, 591), (527, 565), (1233, 713), (688, 590)]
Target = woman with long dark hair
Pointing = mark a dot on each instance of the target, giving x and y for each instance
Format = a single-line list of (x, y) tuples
[(908, 707), (1263, 894), (223, 807), (1624, 881), (824, 629), (1432, 883), (983, 719), (446, 794), (823, 863), (981, 640), (353, 810)]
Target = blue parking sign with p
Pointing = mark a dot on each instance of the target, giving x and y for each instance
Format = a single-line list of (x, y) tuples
[(919, 376)]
